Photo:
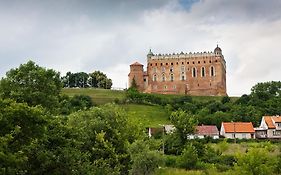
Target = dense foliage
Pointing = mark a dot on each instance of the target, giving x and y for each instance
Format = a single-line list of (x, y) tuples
[(95, 79)]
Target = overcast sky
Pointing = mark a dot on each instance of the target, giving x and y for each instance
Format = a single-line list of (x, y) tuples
[(108, 35)]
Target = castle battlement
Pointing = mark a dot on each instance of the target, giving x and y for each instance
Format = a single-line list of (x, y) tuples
[(183, 55)]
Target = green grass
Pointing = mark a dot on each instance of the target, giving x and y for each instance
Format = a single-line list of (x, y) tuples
[(147, 115), (99, 96), (177, 171)]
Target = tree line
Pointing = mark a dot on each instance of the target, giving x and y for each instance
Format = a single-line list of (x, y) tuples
[(96, 79)]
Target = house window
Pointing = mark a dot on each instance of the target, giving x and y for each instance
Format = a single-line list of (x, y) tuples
[(154, 77), (203, 71), (163, 77), (172, 77), (276, 133), (278, 124), (244, 136), (212, 71), (194, 72)]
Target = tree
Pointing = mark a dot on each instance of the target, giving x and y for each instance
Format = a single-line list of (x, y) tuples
[(104, 134), (145, 161), (32, 84), (99, 80), (256, 161), (185, 123), (188, 158)]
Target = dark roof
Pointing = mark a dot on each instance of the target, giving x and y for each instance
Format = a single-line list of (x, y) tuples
[(207, 130)]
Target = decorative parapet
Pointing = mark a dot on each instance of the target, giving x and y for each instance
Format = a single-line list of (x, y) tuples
[(183, 55)]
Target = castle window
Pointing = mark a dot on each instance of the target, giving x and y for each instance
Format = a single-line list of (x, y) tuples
[(163, 77), (163, 69), (198, 84), (154, 69), (154, 77), (198, 62), (166, 64), (165, 87), (161, 64), (193, 62), (216, 60), (150, 64), (144, 79), (155, 64), (187, 62), (210, 84), (203, 72), (194, 72), (181, 62), (172, 77), (204, 61), (172, 63), (210, 61), (212, 71), (182, 68), (172, 69), (182, 77), (177, 63)]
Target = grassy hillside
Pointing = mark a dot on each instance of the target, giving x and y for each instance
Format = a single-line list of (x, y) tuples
[(102, 96), (99, 96), (146, 115)]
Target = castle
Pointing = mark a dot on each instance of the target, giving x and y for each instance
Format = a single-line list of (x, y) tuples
[(200, 74)]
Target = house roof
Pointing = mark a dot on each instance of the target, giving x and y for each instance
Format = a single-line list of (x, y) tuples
[(136, 64), (270, 120), (207, 130), (240, 127)]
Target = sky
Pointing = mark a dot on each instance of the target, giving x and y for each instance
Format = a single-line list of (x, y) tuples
[(109, 35)]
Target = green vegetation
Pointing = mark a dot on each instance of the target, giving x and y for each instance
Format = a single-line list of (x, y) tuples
[(99, 96), (46, 131), (147, 115)]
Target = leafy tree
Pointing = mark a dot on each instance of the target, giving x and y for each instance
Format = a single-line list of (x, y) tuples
[(32, 84), (256, 161), (134, 84), (145, 161), (79, 79), (104, 134), (184, 122), (188, 158), (99, 80)]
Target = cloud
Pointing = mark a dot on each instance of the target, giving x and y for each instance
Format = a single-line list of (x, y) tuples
[(72, 35)]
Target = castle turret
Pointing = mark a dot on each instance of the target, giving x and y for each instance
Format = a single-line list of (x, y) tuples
[(218, 50), (136, 74)]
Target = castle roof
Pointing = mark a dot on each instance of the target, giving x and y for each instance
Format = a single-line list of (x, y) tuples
[(136, 64), (217, 49)]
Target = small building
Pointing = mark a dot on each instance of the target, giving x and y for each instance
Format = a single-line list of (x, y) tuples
[(207, 131), (269, 128), (240, 130)]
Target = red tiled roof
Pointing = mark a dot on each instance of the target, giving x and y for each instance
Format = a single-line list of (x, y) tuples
[(136, 64), (207, 130), (241, 127), (270, 119)]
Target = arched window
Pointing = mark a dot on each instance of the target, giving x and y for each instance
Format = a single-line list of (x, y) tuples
[(154, 77), (154, 69), (194, 72), (203, 72), (172, 77), (182, 77), (163, 69), (171, 69), (212, 71), (163, 77)]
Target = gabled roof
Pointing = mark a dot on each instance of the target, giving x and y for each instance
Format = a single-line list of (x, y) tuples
[(136, 64), (270, 120), (207, 130), (239, 127)]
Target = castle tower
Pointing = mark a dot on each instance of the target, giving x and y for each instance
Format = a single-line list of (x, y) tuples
[(137, 73)]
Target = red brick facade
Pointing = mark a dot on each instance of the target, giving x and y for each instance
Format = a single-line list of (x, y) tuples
[(201, 74)]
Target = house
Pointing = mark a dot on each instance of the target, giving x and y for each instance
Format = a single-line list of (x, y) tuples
[(164, 129), (240, 130), (270, 127), (207, 131)]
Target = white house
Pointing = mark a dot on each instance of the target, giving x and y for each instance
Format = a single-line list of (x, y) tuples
[(270, 127), (240, 130)]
